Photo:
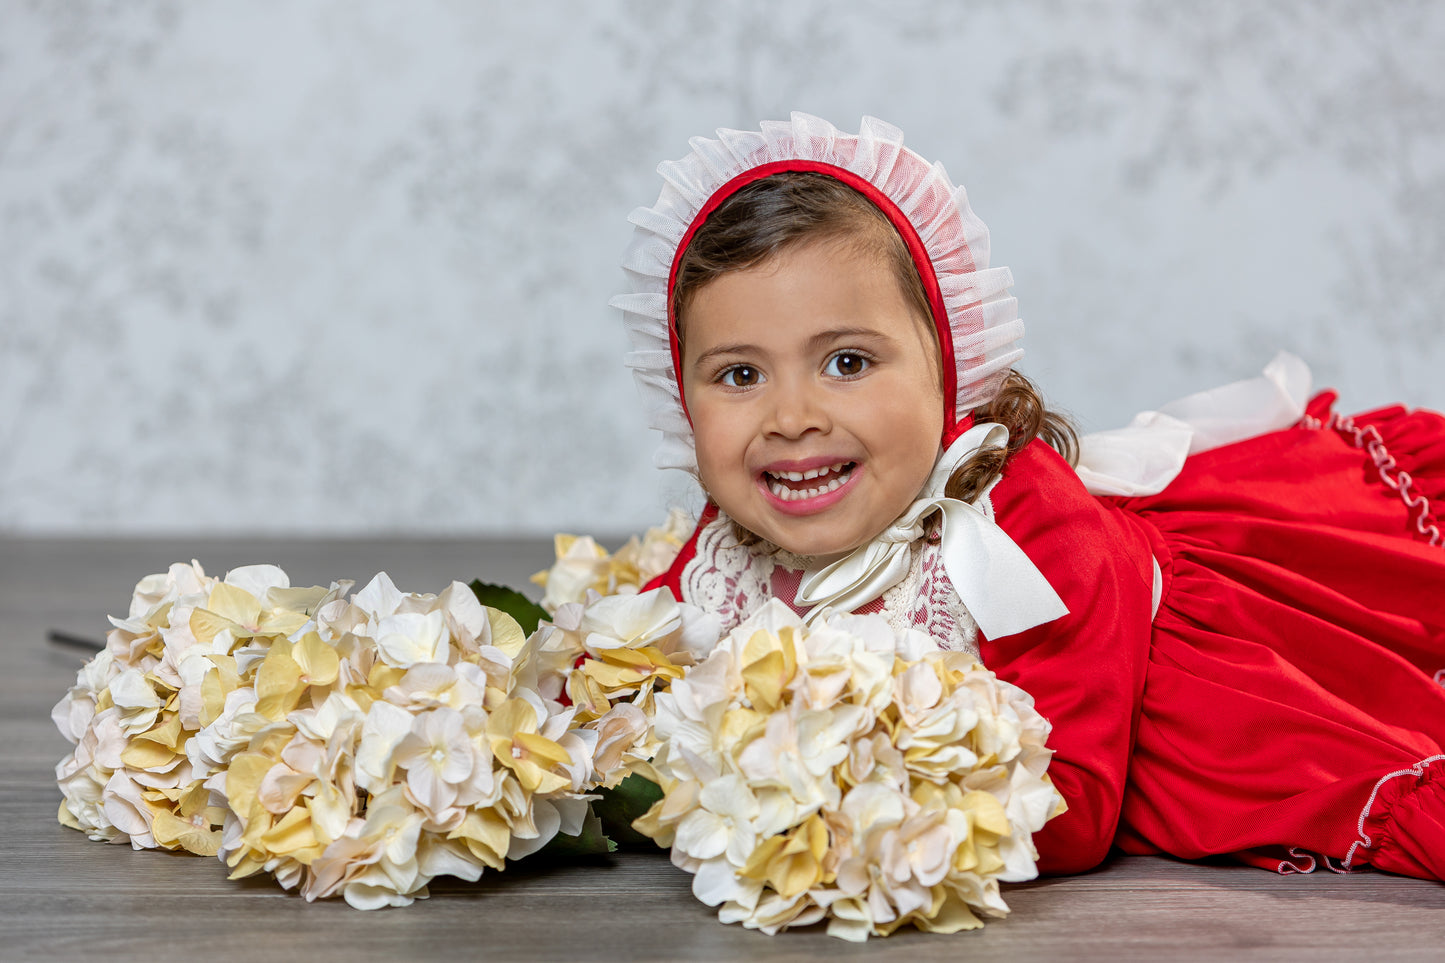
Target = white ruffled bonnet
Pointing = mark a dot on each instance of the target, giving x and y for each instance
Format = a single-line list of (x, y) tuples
[(976, 318)]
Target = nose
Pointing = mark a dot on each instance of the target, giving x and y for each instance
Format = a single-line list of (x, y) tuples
[(798, 406)]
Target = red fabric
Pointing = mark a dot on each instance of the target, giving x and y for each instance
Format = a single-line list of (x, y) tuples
[(1085, 670), (1292, 661)]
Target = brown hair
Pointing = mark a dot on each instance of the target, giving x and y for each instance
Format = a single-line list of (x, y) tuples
[(781, 211), (774, 213)]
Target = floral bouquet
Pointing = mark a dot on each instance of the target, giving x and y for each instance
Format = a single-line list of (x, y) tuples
[(349, 747), (847, 772), (360, 746)]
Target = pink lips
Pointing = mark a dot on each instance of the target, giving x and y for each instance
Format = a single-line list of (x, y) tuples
[(816, 504)]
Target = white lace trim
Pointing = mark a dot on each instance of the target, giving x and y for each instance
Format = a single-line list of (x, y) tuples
[(733, 581), (1364, 842), (1391, 474)]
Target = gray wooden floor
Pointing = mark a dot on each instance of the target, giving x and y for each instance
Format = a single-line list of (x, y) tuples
[(64, 897)]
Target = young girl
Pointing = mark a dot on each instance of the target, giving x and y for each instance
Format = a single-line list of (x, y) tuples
[(1238, 650)]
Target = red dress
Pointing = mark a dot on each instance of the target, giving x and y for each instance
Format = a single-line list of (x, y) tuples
[(1281, 705)]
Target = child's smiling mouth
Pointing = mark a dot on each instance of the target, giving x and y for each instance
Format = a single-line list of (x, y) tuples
[(807, 490)]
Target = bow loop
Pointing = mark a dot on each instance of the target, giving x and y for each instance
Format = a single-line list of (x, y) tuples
[(1001, 588)]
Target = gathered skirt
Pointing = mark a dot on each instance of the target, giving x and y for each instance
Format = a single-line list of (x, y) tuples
[(1293, 710)]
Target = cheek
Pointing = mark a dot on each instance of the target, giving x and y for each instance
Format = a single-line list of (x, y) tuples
[(912, 409), (720, 447)]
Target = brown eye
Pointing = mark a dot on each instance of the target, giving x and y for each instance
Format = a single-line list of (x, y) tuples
[(740, 376), (846, 364)]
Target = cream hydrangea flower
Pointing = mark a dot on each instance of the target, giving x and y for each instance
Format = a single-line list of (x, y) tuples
[(130, 767), (850, 773), (610, 652), (583, 566), (354, 746)]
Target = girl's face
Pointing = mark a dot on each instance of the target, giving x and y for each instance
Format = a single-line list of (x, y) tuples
[(815, 397)]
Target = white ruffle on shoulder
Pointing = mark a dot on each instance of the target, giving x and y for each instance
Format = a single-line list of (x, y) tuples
[(1146, 455)]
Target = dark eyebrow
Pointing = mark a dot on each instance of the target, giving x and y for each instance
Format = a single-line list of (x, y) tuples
[(839, 334), (721, 349), (819, 340)]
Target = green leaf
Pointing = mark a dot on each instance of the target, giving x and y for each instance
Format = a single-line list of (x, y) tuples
[(620, 806), (514, 603), (592, 841)]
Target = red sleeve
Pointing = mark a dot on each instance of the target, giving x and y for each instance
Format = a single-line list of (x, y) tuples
[(1086, 669)]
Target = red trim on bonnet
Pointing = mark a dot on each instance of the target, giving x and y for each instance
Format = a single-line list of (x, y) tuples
[(895, 216), (951, 433)]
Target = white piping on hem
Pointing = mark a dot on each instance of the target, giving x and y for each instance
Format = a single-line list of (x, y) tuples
[(1287, 868), (1417, 771)]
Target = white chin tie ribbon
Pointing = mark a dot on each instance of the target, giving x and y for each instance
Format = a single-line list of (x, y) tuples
[(1001, 588)]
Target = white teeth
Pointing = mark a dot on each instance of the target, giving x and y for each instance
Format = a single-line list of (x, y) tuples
[(797, 476), (784, 493)]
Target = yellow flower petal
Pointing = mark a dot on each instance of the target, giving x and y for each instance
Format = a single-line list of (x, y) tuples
[(541, 749), (243, 780), (383, 676), (986, 812), (293, 836), (172, 832), (589, 697), (278, 682), (302, 600), (320, 663), (764, 679), (790, 862), (487, 836), (507, 635), (67, 818), (739, 727), (950, 915), (196, 800), (218, 683), (758, 861), (650, 824), (147, 755), (244, 864), (235, 604), (206, 625), (280, 622), (512, 716), (165, 733)]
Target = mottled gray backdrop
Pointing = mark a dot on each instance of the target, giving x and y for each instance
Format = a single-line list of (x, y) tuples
[(342, 267)]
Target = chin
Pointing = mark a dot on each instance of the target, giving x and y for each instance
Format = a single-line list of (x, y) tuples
[(821, 548)]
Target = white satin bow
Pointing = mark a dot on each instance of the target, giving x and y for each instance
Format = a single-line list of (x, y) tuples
[(998, 584)]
